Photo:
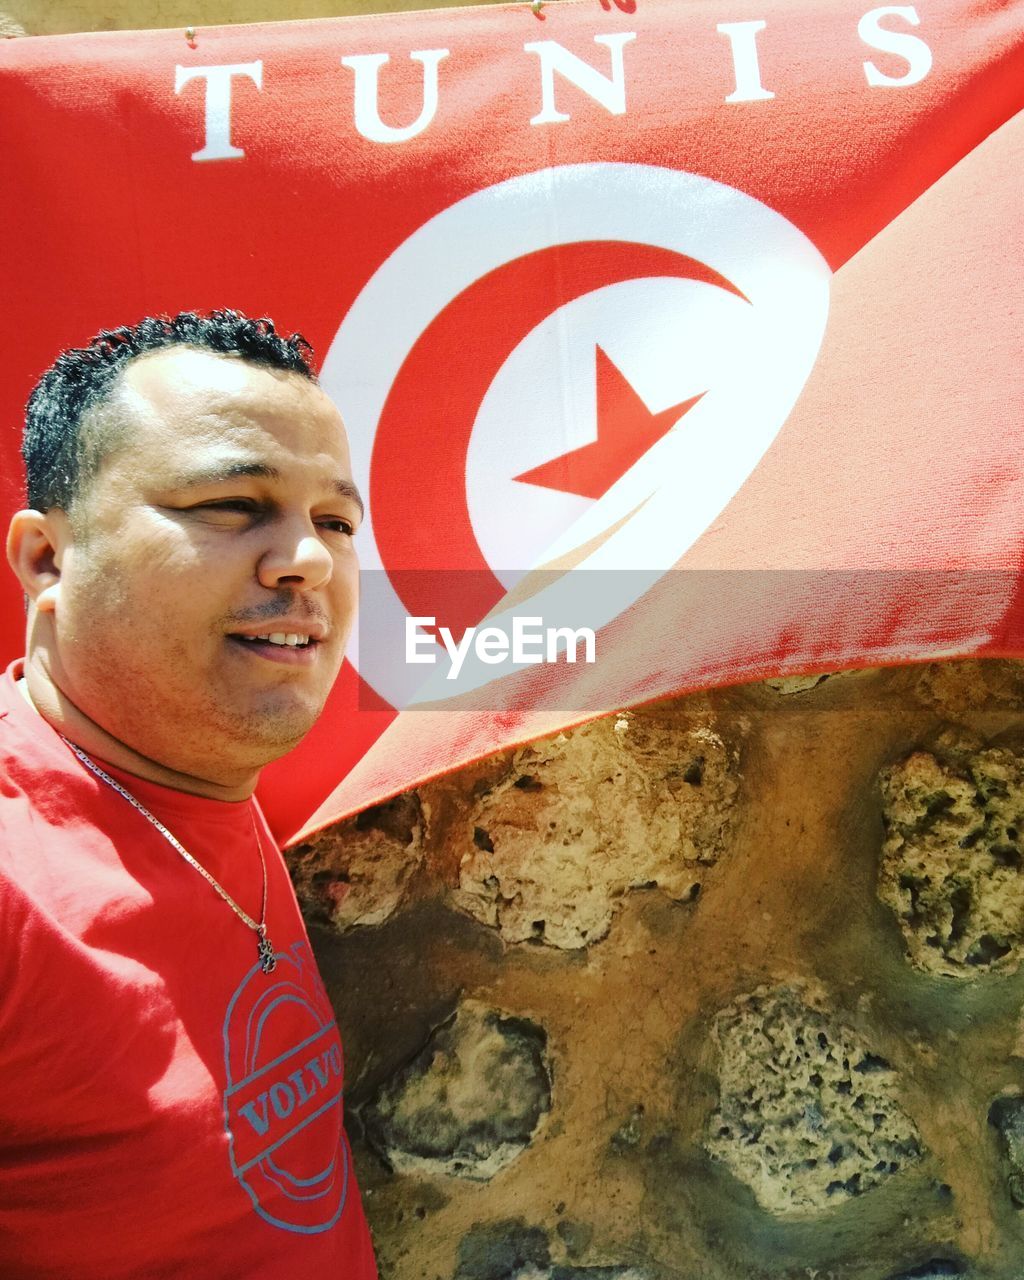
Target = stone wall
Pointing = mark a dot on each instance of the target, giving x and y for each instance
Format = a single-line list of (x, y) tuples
[(725, 988)]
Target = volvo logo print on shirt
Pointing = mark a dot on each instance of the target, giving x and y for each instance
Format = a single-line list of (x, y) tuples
[(282, 1103)]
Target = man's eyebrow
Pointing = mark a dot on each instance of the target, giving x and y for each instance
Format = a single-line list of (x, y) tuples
[(261, 471), (227, 471), (348, 490)]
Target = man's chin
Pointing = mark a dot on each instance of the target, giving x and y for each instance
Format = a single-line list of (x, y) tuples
[(275, 728)]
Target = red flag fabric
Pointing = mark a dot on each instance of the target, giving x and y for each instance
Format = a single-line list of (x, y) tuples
[(697, 327)]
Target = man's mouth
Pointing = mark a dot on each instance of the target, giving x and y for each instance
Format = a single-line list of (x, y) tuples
[(291, 640), (289, 647)]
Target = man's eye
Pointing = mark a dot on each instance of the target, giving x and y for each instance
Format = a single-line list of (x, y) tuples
[(244, 505), (337, 524)]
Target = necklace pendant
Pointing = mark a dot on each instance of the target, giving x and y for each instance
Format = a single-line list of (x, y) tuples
[(265, 950)]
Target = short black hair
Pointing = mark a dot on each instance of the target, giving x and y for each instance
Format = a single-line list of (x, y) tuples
[(60, 456)]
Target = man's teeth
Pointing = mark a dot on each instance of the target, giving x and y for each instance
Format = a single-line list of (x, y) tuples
[(279, 637)]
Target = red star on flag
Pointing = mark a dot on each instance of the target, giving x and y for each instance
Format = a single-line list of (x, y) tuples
[(626, 429)]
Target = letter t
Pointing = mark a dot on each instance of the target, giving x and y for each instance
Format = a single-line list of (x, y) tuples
[(218, 104)]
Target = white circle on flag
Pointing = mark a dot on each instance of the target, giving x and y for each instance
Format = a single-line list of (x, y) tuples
[(670, 338)]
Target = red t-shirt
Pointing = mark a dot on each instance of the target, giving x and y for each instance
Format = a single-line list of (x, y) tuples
[(166, 1109)]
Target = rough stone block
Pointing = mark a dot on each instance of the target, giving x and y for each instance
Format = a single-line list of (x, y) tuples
[(933, 1269), (787, 685), (501, 1250), (512, 1250), (576, 1236), (1006, 1115), (580, 819), (471, 1100), (956, 689), (951, 866), (808, 1116), (356, 873)]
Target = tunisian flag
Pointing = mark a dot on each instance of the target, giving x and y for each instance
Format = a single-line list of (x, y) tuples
[(694, 328)]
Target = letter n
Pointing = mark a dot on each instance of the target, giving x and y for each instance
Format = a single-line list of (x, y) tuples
[(609, 91)]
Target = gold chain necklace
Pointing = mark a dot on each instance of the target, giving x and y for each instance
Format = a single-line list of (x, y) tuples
[(264, 947)]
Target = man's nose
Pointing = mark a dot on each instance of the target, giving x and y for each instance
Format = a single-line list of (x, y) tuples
[(296, 557)]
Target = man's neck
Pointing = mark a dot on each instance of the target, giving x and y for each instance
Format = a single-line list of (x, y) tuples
[(57, 709)]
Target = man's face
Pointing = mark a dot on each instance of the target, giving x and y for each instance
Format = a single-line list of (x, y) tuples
[(223, 515)]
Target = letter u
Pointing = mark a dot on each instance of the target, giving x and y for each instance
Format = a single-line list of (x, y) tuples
[(366, 67)]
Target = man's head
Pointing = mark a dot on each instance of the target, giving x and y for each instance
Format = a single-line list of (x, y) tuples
[(72, 418), (190, 491)]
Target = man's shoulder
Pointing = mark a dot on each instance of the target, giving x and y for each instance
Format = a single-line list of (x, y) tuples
[(30, 748), (35, 795)]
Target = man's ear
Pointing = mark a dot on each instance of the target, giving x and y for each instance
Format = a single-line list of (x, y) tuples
[(36, 545)]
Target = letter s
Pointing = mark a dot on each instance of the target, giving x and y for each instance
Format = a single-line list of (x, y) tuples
[(912, 49)]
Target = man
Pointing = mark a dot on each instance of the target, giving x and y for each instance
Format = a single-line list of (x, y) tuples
[(169, 1063)]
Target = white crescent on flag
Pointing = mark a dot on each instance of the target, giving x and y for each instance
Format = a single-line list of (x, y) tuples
[(745, 352)]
